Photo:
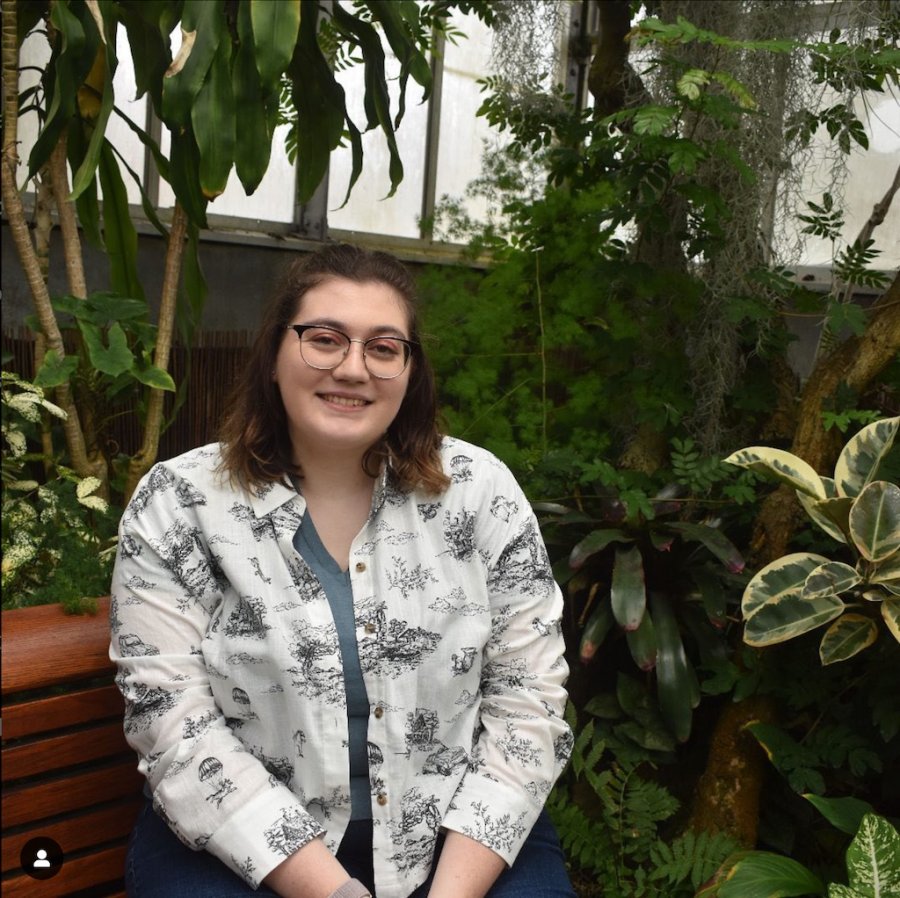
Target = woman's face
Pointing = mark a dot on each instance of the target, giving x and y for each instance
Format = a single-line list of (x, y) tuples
[(344, 410)]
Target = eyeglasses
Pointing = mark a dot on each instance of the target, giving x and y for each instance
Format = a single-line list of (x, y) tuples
[(325, 348)]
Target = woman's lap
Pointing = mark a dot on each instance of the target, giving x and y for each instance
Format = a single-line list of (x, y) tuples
[(159, 866)]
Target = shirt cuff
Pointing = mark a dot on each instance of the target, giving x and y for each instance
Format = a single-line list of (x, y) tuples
[(266, 831)]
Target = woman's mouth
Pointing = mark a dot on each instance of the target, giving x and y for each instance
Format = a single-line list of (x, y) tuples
[(348, 401)]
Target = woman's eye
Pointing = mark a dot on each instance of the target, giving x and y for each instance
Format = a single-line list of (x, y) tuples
[(385, 347), (325, 340)]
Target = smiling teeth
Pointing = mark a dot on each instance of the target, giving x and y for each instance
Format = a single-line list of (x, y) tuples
[(344, 400)]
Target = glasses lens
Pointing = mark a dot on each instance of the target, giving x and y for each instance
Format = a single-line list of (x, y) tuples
[(386, 357), (323, 348)]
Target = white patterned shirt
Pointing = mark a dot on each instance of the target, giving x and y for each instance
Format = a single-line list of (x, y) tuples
[(230, 666)]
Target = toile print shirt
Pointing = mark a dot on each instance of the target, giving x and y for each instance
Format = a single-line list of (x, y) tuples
[(229, 662)]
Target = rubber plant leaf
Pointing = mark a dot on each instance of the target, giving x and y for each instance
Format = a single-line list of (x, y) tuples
[(777, 580), (830, 579), (875, 521), (858, 463), (780, 465), (890, 612), (846, 637), (831, 514)]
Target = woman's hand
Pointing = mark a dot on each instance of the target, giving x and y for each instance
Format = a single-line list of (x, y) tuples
[(466, 869)]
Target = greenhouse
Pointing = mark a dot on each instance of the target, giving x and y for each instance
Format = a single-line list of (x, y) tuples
[(450, 448)]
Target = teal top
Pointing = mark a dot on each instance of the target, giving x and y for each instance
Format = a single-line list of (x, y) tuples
[(336, 584)]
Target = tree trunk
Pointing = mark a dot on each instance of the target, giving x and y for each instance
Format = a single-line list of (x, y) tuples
[(146, 456), (18, 227), (856, 362)]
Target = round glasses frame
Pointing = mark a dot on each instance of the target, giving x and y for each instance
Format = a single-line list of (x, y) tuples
[(408, 345)]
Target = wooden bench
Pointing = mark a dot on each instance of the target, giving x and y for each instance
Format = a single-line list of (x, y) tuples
[(67, 771)]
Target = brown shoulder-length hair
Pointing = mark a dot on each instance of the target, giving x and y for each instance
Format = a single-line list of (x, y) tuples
[(257, 448)]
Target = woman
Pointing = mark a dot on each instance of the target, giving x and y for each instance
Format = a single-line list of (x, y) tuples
[(337, 631)]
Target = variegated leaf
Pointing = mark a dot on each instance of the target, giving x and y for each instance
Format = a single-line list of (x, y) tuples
[(872, 866), (830, 579), (780, 465), (890, 611), (783, 577), (846, 637), (875, 520), (858, 463), (86, 486), (790, 617), (828, 515), (886, 574)]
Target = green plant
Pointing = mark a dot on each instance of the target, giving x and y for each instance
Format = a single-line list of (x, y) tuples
[(873, 870), (802, 591), (609, 814), (652, 574), (56, 535)]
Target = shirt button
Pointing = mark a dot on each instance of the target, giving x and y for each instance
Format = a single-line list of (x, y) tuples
[(360, 567), (378, 712), (381, 798), (370, 627)]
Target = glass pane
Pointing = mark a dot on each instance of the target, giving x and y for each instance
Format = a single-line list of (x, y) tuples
[(34, 56), (368, 209), (463, 135)]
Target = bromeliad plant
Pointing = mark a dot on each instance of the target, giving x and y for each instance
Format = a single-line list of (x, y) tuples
[(802, 591), (653, 577)]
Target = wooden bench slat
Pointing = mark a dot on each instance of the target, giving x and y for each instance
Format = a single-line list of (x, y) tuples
[(32, 803), (48, 755), (29, 718), (79, 646), (79, 873), (106, 824)]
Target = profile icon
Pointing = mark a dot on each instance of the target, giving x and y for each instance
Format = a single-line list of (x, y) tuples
[(41, 857)]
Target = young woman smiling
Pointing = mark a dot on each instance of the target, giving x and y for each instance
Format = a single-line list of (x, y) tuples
[(337, 631)]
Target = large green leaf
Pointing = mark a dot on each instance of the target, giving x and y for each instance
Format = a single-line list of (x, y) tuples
[(55, 370), (790, 617), (71, 60), (858, 463), (832, 516), (780, 465), (598, 625), (873, 859), (84, 176), (118, 229), (203, 26), (87, 204), (594, 542), (321, 109), (114, 359), (875, 520), (890, 611), (253, 139), (629, 598), (714, 540), (377, 99), (213, 119), (762, 874), (185, 165), (781, 578), (676, 683), (844, 813), (846, 637), (642, 643), (830, 579), (275, 28), (147, 26)]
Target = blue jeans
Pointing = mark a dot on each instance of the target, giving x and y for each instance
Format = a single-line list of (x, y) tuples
[(159, 866)]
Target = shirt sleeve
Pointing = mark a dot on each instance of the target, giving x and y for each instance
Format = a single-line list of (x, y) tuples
[(167, 590), (523, 742)]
